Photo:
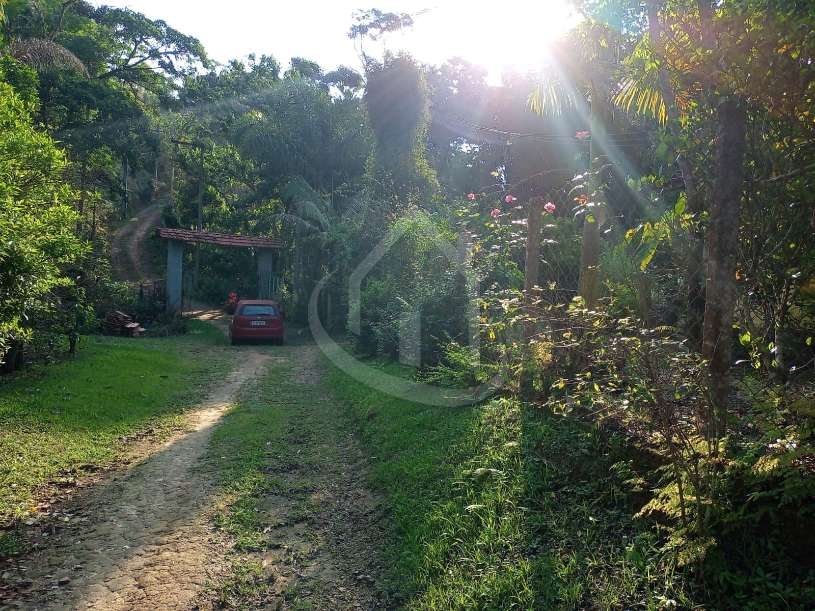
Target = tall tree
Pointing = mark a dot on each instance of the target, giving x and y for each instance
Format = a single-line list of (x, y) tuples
[(397, 103), (37, 219), (722, 246)]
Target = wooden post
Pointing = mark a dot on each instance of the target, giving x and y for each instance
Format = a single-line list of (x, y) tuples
[(590, 249), (534, 209), (533, 256)]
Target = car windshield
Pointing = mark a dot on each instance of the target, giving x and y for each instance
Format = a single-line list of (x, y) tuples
[(258, 310)]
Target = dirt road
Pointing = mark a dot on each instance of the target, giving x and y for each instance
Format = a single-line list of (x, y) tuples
[(127, 245), (144, 538)]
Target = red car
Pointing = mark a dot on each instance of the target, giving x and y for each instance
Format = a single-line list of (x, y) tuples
[(258, 319)]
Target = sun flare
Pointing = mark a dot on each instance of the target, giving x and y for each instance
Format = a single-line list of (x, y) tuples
[(512, 35)]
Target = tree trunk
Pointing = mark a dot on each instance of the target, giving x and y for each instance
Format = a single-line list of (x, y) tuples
[(722, 245), (590, 245), (12, 359), (780, 328), (645, 301)]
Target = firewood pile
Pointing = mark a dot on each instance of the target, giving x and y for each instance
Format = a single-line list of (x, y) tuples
[(119, 323)]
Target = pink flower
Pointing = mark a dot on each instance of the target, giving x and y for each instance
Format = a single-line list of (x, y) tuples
[(510, 199), (471, 197), (495, 213), (550, 208), (582, 134)]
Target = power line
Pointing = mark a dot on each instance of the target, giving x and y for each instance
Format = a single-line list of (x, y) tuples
[(630, 134)]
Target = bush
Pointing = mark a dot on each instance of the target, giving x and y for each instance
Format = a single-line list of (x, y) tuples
[(414, 280)]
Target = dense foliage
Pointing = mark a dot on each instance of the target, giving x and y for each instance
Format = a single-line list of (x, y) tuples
[(38, 242)]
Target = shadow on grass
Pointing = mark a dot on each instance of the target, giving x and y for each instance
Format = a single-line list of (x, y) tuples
[(505, 506)]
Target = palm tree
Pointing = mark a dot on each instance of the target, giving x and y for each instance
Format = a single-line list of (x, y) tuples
[(319, 228), (36, 45), (43, 54)]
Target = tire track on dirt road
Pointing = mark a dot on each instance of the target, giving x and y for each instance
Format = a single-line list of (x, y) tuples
[(145, 537)]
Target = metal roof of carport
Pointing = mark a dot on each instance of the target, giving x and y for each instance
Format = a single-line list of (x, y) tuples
[(194, 236)]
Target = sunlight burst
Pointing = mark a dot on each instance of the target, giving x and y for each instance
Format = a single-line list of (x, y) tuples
[(513, 35)]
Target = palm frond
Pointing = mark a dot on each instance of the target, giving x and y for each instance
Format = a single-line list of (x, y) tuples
[(358, 205), (642, 90), (308, 204), (45, 55), (642, 96), (552, 97), (310, 211), (294, 220)]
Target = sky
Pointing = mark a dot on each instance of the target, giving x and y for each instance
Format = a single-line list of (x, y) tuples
[(498, 35)]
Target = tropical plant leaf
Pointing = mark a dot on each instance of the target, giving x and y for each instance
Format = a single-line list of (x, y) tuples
[(553, 97), (642, 96), (307, 203)]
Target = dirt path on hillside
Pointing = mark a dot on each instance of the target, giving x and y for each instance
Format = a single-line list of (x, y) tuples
[(144, 538), (127, 244)]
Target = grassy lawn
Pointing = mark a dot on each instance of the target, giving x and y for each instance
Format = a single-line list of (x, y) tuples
[(58, 420), (505, 507)]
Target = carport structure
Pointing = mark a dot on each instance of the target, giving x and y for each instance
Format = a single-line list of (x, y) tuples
[(265, 252)]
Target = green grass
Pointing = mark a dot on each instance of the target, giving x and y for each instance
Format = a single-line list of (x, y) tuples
[(276, 425), (505, 507), (59, 420), (241, 448)]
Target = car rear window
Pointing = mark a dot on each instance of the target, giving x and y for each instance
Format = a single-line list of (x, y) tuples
[(258, 310)]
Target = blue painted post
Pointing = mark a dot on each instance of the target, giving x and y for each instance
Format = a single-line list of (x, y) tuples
[(265, 260), (175, 271)]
